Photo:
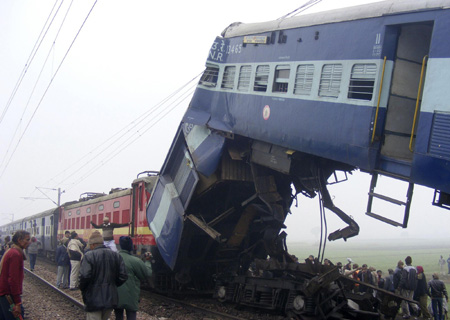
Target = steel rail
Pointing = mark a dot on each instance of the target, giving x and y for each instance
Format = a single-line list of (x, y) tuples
[(71, 299), (194, 307)]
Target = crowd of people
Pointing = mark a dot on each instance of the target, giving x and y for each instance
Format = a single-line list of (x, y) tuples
[(405, 280), (109, 279)]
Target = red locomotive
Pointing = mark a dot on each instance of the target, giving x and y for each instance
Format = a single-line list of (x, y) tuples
[(120, 205)]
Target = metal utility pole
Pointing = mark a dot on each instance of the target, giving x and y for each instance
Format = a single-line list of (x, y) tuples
[(46, 196)]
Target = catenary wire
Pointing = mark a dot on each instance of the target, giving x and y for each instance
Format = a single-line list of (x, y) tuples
[(30, 59), (141, 129), (46, 90), (34, 87)]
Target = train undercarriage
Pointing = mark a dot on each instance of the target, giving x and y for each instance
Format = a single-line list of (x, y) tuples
[(233, 225)]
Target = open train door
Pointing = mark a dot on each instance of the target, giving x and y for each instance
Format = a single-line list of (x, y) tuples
[(170, 198), (405, 95), (411, 44)]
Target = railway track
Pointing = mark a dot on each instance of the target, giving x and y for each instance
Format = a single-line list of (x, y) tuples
[(152, 305), (47, 284)]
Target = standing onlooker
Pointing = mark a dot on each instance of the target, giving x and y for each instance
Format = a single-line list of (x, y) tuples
[(63, 261), (389, 281), (11, 277), (102, 271), (366, 276), (448, 263), (380, 279), (407, 286), (421, 293), (108, 232), (75, 250), (33, 250), (6, 245), (137, 271), (397, 276), (437, 291), (441, 264)]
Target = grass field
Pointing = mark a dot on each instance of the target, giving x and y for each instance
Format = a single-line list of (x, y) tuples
[(383, 254)]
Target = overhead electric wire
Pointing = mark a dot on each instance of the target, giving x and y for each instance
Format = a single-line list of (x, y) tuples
[(117, 137), (46, 90), (300, 9), (35, 85), (30, 59), (125, 144)]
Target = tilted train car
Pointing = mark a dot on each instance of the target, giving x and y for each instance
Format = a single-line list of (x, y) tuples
[(121, 206), (288, 103)]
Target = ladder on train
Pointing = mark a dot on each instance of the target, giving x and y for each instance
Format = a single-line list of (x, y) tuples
[(406, 203)]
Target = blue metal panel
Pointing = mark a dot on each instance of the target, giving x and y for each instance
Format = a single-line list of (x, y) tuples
[(170, 198), (440, 136), (205, 147), (297, 124)]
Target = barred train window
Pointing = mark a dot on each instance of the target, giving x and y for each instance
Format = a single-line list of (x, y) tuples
[(228, 77), (244, 78), (209, 77), (330, 80), (304, 79), (362, 81), (281, 81), (261, 78)]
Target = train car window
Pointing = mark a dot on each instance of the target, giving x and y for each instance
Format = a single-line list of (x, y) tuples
[(228, 78), (261, 78), (82, 222), (116, 204), (100, 207), (281, 80), (304, 79), (362, 81), (126, 216), (209, 77), (245, 73), (88, 209), (330, 80), (78, 211)]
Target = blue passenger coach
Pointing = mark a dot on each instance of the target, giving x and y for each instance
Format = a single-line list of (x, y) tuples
[(365, 86), (280, 108)]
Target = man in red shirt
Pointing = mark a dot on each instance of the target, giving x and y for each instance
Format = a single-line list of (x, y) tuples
[(11, 277)]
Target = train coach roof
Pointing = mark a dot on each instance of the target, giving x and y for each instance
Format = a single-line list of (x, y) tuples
[(372, 10), (114, 195)]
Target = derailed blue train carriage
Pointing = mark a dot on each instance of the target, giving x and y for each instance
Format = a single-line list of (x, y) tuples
[(288, 103)]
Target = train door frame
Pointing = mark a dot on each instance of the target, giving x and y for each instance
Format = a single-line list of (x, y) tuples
[(412, 47)]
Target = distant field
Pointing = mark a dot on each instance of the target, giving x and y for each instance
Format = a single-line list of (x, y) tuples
[(382, 255)]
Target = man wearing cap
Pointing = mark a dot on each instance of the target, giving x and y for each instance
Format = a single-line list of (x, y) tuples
[(102, 271), (138, 271), (108, 232)]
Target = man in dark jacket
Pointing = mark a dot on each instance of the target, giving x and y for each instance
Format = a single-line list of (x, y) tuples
[(63, 262), (102, 271), (437, 292), (407, 285)]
